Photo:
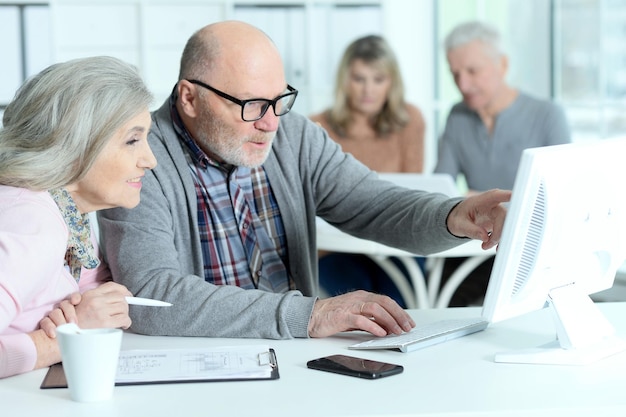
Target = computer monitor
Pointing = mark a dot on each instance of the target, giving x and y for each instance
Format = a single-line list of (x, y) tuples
[(564, 238)]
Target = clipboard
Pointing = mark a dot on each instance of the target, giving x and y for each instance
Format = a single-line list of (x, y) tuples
[(166, 366)]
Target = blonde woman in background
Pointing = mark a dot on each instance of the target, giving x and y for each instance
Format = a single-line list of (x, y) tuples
[(371, 120)]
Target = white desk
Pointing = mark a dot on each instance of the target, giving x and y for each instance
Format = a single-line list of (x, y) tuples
[(456, 378), (424, 293)]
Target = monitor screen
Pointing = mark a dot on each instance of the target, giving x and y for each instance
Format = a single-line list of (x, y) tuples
[(564, 238)]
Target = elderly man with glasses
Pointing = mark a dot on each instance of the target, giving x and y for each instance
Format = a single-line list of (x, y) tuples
[(226, 227)]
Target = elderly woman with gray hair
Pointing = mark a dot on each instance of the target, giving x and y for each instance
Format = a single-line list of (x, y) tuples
[(74, 140)]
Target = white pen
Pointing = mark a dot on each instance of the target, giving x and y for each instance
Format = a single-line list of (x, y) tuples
[(138, 301)]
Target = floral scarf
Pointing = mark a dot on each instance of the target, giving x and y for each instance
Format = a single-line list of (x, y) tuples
[(80, 251)]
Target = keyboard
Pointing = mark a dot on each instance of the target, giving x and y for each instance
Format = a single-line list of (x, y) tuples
[(426, 335)]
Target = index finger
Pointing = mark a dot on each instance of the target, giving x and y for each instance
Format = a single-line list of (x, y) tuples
[(499, 213), (497, 196), (388, 315), (69, 312)]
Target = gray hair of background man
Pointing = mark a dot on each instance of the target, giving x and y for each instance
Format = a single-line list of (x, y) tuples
[(474, 31), (62, 118)]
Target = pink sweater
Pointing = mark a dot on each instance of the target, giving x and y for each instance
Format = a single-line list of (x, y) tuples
[(33, 279)]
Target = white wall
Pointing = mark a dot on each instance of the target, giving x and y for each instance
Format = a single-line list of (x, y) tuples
[(409, 28), (311, 34)]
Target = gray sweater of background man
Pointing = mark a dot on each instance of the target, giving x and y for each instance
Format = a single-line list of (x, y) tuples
[(154, 249), (489, 162)]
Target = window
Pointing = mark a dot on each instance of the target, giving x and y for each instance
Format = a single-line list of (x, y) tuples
[(571, 51), (590, 66), (25, 46)]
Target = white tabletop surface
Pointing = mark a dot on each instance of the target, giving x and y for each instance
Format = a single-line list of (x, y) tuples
[(456, 378)]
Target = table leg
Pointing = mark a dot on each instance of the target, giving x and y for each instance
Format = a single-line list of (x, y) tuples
[(435, 270), (414, 297), (418, 280)]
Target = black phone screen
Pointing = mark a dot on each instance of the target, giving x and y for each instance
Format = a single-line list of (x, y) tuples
[(358, 367)]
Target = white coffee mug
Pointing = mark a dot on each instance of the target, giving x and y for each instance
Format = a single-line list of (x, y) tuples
[(90, 358)]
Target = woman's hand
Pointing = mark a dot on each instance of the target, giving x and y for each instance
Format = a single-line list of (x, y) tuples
[(104, 306)]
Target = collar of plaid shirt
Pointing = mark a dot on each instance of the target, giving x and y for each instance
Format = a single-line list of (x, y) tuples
[(242, 245)]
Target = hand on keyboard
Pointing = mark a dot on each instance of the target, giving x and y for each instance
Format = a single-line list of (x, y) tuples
[(426, 335), (359, 310)]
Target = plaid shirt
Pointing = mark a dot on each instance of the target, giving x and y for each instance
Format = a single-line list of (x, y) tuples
[(241, 231)]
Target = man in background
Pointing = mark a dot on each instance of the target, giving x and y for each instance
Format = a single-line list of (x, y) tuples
[(486, 133)]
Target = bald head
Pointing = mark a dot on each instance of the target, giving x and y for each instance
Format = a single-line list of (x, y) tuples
[(224, 64), (229, 50)]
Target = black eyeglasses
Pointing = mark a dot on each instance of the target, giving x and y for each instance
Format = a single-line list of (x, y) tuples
[(255, 108)]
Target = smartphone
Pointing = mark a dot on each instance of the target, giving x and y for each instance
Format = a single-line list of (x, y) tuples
[(352, 366)]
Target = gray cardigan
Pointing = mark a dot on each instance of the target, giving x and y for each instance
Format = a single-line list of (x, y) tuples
[(154, 249)]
